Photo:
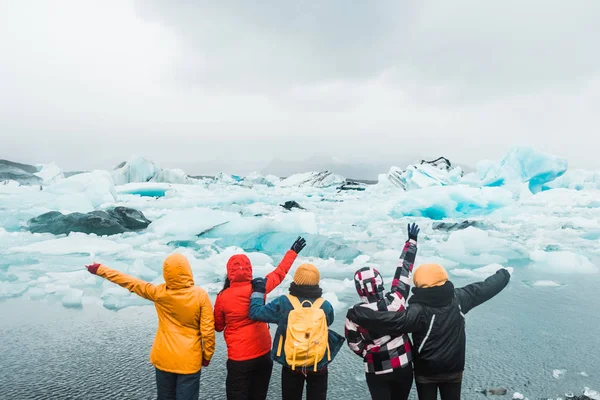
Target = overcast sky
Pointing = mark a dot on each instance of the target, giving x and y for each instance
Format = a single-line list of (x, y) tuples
[(234, 84)]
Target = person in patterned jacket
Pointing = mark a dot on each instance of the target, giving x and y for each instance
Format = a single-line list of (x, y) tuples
[(387, 359)]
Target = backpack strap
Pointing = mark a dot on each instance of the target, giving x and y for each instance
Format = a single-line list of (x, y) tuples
[(318, 302), (295, 302)]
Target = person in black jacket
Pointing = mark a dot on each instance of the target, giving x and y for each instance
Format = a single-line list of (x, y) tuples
[(435, 316)]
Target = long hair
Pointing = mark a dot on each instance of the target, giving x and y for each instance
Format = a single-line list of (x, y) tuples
[(226, 284)]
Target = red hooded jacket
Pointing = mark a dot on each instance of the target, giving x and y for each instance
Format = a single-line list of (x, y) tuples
[(246, 339)]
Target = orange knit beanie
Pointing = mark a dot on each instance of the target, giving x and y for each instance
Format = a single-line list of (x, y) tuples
[(430, 275), (307, 274)]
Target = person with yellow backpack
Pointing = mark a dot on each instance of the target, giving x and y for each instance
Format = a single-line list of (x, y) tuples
[(303, 343)]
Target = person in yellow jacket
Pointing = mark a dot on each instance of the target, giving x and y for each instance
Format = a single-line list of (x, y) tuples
[(185, 338)]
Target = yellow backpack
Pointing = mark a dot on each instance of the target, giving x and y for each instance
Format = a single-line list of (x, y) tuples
[(307, 335)]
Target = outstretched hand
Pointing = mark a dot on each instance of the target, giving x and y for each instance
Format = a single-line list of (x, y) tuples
[(259, 285), (93, 268), (413, 231), (298, 245)]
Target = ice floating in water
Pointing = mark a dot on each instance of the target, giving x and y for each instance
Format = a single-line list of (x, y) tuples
[(276, 234), (138, 169), (76, 243), (323, 179), (563, 262), (255, 178), (91, 190), (518, 396), (592, 394), (480, 273), (525, 165), (187, 223), (474, 246), (558, 373), (451, 202), (50, 173), (424, 175), (146, 189), (546, 284), (576, 180), (73, 298)]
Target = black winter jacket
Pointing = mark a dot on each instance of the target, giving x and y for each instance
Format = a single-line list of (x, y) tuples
[(435, 316)]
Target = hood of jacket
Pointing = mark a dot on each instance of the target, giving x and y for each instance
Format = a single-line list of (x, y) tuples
[(239, 268), (177, 272), (437, 296)]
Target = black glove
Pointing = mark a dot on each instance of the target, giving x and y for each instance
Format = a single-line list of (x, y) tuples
[(259, 285), (413, 231), (298, 245)]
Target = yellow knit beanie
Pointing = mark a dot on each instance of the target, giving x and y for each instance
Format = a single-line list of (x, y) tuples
[(307, 274), (430, 275)]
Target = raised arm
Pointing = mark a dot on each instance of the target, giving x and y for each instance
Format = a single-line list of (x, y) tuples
[(140, 287), (401, 282), (259, 311), (207, 328), (387, 322), (278, 275), (478, 293)]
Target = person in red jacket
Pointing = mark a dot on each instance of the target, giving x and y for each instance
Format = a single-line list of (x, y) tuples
[(249, 363)]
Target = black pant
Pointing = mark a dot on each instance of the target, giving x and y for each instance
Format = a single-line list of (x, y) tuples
[(292, 384), (177, 386), (249, 379), (393, 386), (448, 390)]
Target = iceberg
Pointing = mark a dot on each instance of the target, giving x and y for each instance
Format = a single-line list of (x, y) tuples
[(474, 246), (255, 178), (439, 172), (191, 222), (576, 180), (323, 179), (525, 165), (50, 173), (275, 234), (93, 189), (438, 203), (172, 176), (562, 262), (139, 169)]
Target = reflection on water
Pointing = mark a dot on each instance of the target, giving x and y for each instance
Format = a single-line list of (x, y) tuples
[(515, 341)]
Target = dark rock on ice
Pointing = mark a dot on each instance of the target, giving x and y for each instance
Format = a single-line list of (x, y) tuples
[(454, 226), (351, 185), (441, 163), (288, 205), (110, 222)]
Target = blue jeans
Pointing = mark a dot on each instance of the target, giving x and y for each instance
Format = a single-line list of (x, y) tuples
[(177, 386)]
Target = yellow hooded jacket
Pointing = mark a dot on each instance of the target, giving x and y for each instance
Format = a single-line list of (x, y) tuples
[(185, 334)]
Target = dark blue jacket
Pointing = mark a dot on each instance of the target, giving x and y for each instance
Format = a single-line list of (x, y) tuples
[(276, 312)]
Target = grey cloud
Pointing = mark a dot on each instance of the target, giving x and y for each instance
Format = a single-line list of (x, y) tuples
[(479, 48)]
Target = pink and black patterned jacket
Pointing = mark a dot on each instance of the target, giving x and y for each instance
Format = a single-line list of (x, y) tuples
[(384, 354)]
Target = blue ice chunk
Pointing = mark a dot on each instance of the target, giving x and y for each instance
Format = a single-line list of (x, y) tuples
[(523, 164), (452, 202), (146, 192)]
